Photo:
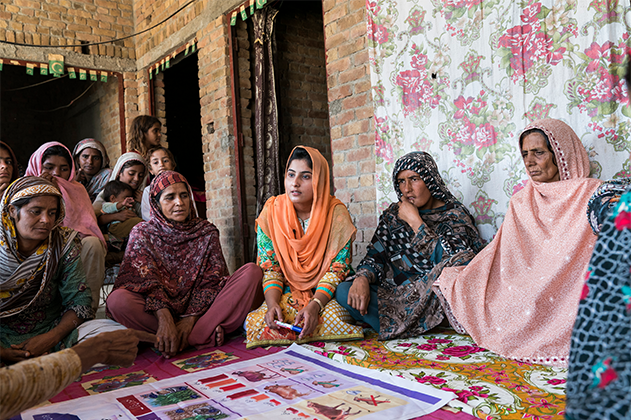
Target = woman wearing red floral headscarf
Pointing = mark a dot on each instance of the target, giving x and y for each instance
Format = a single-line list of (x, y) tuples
[(174, 281)]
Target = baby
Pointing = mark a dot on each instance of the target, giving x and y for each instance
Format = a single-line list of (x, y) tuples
[(119, 196)]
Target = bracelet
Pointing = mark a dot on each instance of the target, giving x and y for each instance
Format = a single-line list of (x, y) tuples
[(319, 302)]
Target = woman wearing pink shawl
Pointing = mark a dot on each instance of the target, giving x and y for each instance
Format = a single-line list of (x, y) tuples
[(54, 161), (519, 296)]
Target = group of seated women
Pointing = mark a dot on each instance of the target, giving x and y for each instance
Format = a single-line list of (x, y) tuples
[(173, 276), (425, 265)]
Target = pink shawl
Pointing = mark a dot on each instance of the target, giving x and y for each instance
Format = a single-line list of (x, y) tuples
[(79, 212), (519, 296)]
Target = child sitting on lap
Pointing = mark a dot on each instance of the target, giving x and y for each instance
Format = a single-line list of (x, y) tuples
[(120, 197)]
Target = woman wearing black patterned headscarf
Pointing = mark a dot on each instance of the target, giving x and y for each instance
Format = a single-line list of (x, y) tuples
[(426, 230)]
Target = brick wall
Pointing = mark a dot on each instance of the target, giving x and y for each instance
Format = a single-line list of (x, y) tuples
[(301, 76), (350, 128), (205, 21), (218, 136), (65, 22), (351, 115), (149, 12), (110, 118), (244, 67)]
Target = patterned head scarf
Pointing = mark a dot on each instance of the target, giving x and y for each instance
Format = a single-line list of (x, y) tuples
[(93, 144), (423, 164), (23, 279), (162, 182), (179, 266)]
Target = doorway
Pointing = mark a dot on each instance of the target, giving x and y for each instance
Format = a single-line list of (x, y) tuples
[(182, 110), (41, 108), (301, 94)]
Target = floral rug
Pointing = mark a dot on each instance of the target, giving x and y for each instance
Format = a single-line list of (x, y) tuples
[(488, 386)]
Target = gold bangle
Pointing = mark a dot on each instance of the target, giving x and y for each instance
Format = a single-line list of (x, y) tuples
[(319, 302)]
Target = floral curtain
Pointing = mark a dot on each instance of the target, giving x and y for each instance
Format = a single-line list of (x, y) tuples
[(461, 78)]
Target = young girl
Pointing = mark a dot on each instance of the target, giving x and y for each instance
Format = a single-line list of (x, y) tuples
[(145, 134), (159, 159)]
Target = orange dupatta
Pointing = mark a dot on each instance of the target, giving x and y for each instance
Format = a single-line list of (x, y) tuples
[(305, 257)]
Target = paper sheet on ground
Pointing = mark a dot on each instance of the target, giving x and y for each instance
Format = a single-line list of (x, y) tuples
[(292, 384)]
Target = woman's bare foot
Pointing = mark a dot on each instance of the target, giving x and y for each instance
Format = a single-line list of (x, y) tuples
[(219, 336)]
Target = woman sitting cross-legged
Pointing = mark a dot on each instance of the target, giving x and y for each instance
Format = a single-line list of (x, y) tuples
[(304, 247), (519, 296), (43, 291), (426, 230), (174, 281)]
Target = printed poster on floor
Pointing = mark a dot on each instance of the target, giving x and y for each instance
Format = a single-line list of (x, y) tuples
[(295, 384)]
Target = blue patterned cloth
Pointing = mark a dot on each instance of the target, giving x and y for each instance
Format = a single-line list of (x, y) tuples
[(604, 200), (599, 379)]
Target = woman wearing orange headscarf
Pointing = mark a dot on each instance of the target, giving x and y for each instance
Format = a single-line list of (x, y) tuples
[(304, 248)]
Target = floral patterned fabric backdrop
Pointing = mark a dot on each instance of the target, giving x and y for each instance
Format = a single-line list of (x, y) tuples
[(461, 79)]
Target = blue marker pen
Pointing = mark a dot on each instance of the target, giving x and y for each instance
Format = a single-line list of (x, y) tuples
[(291, 327)]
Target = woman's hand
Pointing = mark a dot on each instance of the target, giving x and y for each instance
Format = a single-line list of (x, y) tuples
[(167, 336), (12, 355), (4, 186), (184, 327), (49, 177), (359, 294), (408, 212), (310, 315), (38, 345), (79, 175), (138, 195), (273, 313), (124, 215)]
